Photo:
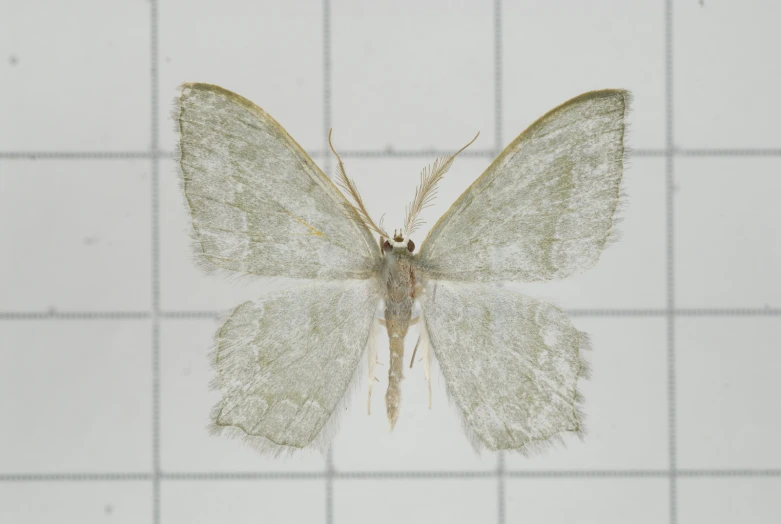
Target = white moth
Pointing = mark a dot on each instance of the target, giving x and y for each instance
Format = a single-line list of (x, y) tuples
[(543, 210)]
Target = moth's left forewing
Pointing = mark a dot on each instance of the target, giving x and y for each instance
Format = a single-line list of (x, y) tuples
[(511, 364), (259, 205)]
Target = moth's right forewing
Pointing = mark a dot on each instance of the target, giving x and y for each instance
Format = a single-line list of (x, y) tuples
[(544, 208), (511, 363), (258, 203), (285, 361)]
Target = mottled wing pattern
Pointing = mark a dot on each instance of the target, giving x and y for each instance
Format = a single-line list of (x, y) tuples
[(259, 205), (544, 208), (284, 362), (511, 363)]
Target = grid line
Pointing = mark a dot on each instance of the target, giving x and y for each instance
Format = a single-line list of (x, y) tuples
[(670, 255), (386, 153), (389, 475), (498, 146), (327, 120), (215, 315), (75, 315), (77, 155), (155, 183)]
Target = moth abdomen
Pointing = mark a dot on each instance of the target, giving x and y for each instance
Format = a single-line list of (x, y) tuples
[(399, 277)]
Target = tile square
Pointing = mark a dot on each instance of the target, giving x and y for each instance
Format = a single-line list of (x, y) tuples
[(83, 234), (243, 502), (415, 501), (626, 401), (727, 249), (75, 76), (269, 52), (554, 51), (588, 500), (186, 401), (84, 502), (727, 392), (412, 75), (727, 74), (728, 500), (77, 396), (631, 273), (183, 285)]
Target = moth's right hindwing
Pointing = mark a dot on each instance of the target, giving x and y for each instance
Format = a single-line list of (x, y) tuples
[(511, 363), (284, 362), (258, 203)]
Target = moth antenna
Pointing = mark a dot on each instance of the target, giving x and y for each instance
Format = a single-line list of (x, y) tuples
[(427, 189), (348, 187)]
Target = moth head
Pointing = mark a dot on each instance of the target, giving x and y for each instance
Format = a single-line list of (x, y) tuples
[(397, 244)]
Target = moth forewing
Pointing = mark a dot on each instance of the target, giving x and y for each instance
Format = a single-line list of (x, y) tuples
[(259, 205), (544, 209)]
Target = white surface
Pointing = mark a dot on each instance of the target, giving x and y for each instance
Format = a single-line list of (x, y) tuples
[(243, 502), (83, 502), (592, 501), (417, 501), (76, 235), (54, 419), (80, 235), (75, 75)]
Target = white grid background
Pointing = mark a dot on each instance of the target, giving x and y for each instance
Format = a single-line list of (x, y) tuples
[(104, 323)]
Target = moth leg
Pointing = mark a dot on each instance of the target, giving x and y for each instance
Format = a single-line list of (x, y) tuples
[(414, 351), (427, 372), (425, 354), (371, 352)]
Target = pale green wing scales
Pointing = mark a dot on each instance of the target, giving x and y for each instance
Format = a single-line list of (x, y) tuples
[(259, 204), (511, 363), (544, 208), (284, 362)]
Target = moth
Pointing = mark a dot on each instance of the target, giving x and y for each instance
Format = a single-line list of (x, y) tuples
[(543, 210)]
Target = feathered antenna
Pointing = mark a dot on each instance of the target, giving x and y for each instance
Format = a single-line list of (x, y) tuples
[(348, 187), (427, 190)]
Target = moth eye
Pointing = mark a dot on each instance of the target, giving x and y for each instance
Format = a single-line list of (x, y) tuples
[(411, 246), (386, 246)]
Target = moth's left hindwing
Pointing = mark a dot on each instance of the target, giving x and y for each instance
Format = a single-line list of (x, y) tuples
[(258, 203), (284, 362)]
